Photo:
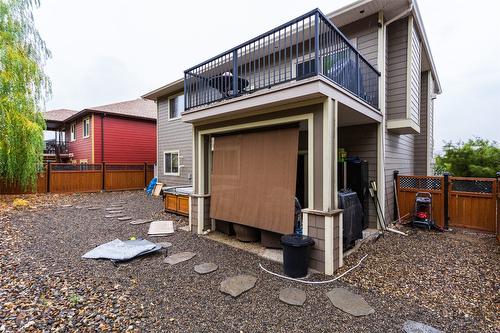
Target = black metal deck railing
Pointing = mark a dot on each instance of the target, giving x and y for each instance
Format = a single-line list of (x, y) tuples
[(55, 147), (306, 46)]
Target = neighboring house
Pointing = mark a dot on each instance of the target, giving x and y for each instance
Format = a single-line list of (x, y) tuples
[(264, 121), (123, 132)]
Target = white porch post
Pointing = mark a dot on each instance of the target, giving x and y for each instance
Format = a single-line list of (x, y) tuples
[(201, 182), (330, 111)]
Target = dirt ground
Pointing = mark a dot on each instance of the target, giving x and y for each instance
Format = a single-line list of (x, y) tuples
[(449, 281)]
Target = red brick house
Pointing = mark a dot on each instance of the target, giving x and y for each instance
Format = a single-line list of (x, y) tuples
[(123, 132)]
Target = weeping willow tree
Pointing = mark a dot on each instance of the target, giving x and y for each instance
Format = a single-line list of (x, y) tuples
[(24, 88)]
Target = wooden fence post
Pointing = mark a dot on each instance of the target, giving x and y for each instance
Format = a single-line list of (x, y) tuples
[(48, 176), (498, 207), (446, 199), (103, 176), (145, 174)]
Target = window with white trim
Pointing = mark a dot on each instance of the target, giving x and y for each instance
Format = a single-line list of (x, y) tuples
[(171, 163), (175, 107), (86, 127), (73, 131)]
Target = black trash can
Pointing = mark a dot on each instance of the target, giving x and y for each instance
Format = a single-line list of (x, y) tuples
[(296, 252)]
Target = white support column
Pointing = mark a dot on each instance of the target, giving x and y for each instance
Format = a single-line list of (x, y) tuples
[(341, 240), (201, 212), (201, 183), (335, 155), (330, 109), (381, 129), (190, 215), (329, 236)]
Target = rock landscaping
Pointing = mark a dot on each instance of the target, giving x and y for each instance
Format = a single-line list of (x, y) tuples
[(448, 282)]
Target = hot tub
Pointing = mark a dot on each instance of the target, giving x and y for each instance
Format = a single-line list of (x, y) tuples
[(176, 199)]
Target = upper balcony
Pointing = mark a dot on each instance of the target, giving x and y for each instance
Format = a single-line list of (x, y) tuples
[(310, 45)]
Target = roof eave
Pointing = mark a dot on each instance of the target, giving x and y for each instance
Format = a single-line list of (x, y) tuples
[(164, 90), (420, 26)]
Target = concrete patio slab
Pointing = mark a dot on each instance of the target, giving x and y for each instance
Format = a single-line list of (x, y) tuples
[(161, 228)]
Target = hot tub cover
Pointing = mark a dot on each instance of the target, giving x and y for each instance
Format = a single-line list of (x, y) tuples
[(122, 250)]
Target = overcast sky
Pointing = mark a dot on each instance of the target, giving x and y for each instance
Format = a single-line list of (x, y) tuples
[(113, 50)]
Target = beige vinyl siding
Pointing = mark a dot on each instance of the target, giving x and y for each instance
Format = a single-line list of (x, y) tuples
[(366, 33), (361, 141), (414, 76), (174, 135), (399, 155), (421, 140), (397, 57)]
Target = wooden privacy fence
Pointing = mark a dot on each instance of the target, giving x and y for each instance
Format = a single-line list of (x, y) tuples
[(40, 187), (68, 177), (456, 201)]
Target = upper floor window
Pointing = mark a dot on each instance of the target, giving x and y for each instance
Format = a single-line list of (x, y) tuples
[(86, 127), (73, 132), (175, 107)]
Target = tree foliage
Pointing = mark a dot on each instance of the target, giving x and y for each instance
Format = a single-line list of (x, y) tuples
[(23, 89), (474, 158)]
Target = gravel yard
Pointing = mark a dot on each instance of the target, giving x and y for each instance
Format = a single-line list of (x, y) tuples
[(449, 281)]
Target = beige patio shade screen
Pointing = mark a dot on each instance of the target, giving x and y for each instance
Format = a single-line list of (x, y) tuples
[(253, 179)]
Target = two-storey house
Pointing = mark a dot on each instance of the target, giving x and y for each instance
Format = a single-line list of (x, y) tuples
[(262, 123)]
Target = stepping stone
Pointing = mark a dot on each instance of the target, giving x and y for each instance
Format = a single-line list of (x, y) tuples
[(293, 296), (205, 268), (94, 208), (66, 206), (164, 245), (411, 326), (349, 302), (125, 218), (237, 285), (78, 207), (115, 208), (179, 257), (114, 215), (161, 228), (136, 222), (114, 212)]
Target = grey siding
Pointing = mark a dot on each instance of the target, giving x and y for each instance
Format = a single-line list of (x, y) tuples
[(361, 141), (399, 155), (397, 58), (366, 33), (414, 76), (422, 139), (174, 135)]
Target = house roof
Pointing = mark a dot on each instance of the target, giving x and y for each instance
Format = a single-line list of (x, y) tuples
[(137, 108), (167, 89), (392, 10), (58, 115)]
